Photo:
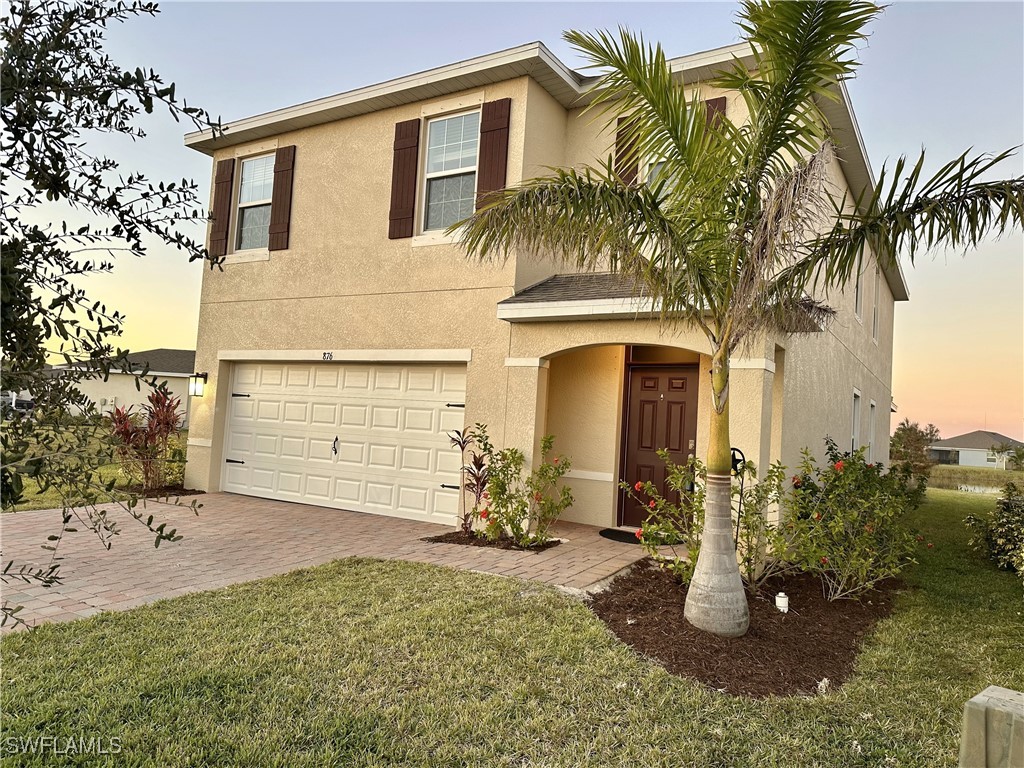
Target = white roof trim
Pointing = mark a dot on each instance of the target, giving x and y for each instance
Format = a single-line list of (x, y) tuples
[(588, 309)]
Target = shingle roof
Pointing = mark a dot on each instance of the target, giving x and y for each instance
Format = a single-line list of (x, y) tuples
[(979, 439), (589, 286), (165, 360)]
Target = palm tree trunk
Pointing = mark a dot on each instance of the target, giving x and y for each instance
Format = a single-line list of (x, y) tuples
[(716, 601)]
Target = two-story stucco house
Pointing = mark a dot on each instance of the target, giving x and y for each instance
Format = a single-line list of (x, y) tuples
[(347, 334)]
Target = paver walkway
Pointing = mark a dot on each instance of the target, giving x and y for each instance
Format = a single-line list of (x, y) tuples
[(238, 538)]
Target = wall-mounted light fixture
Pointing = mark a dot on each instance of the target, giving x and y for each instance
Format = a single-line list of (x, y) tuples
[(196, 383)]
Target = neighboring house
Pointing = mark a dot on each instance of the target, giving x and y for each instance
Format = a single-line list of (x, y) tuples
[(347, 334), (973, 449), (171, 367)]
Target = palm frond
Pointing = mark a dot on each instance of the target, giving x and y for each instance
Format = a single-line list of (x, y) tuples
[(905, 216), (801, 51), (588, 219), (665, 124)]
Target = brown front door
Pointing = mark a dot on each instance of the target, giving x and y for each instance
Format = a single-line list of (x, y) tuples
[(661, 413)]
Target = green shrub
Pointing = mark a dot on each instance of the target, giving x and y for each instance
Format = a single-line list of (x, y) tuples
[(174, 465), (520, 506), (672, 532), (845, 522), (1000, 534)]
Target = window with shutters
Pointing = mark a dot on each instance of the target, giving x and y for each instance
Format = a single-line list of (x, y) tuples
[(255, 194), (450, 173)]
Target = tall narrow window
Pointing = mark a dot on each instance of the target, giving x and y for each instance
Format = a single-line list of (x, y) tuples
[(855, 433), (858, 297), (450, 175), (871, 430), (874, 309), (255, 192)]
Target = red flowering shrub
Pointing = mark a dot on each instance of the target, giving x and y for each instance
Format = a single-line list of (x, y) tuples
[(846, 523), (519, 505), (672, 531)]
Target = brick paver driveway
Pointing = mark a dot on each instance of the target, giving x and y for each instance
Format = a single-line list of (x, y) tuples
[(238, 538)]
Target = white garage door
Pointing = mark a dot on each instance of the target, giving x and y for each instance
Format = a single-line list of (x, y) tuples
[(365, 437)]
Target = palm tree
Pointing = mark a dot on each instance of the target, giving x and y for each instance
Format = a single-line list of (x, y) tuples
[(740, 222)]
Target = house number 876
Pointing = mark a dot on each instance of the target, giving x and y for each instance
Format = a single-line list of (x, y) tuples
[(328, 355)]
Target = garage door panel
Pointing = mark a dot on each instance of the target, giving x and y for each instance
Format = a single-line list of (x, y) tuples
[(266, 445), (318, 487), (388, 424), (326, 377), (268, 410), (355, 415), (419, 420), (382, 456), (450, 420), (293, 448), (297, 377), (380, 494), (271, 376), (243, 410), (296, 413), (262, 479), (416, 459)]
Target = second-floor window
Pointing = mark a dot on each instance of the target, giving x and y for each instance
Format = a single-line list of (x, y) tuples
[(450, 173), (874, 309), (858, 296), (255, 191)]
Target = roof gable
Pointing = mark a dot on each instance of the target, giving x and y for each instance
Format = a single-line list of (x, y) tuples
[(979, 440)]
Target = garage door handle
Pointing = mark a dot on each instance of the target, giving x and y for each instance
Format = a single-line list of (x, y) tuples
[(233, 461), (236, 394), (450, 487), (454, 405)]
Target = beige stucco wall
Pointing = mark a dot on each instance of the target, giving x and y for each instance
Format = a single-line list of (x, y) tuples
[(342, 285), (119, 390)]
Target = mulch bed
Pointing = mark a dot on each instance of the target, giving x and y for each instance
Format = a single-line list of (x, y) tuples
[(167, 490), (474, 540), (782, 654)]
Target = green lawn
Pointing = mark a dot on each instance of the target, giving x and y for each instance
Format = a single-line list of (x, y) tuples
[(53, 497), (370, 663)]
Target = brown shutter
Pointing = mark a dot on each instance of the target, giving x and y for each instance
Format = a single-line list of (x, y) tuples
[(627, 165), (715, 109), (221, 213), (492, 163), (403, 179), (281, 202)]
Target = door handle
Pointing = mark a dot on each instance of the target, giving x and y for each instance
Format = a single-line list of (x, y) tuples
[(334, 446)]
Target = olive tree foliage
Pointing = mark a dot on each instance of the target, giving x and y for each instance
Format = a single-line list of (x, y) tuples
[(59, 91)]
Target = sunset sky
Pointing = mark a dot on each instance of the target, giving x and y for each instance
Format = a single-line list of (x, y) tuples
[(946, 76)]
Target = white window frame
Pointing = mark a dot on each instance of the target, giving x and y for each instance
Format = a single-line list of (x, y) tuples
[(872, 412), (427, 177), (855, 418), (875, 308), (238, 205), (858, 295)]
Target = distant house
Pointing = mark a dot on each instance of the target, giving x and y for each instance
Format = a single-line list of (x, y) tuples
[(171, 367), (973, 449)]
